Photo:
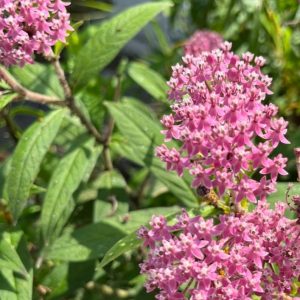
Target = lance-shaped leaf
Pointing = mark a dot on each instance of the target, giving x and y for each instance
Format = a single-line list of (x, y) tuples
[(131, 241), (88, 242), (110, 37), (26, 160), (16, 286), (64, 181), (142, 134), (149, 80), (112, 198), (40, 78), (9, 258)]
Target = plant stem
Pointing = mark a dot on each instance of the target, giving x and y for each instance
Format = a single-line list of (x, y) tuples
[(27, 94), (188, 286), (141, 190), (11, 127), (297, 154), (110, 127), (70, 100)]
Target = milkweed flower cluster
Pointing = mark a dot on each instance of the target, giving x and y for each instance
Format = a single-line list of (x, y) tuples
[(252, 254), (202, 40), (30, 26), (218, 113)]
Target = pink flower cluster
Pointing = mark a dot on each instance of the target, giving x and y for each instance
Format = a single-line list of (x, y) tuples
[(202, 40), (218, 116), (30, 26), (252, 254)]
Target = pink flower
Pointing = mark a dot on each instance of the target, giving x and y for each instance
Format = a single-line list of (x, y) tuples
[(275, 167), (202, 40), (219, 113), (252, 254), (31, 26)]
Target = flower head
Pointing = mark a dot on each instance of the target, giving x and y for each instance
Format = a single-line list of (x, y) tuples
[(251, 254), (30, 26), (202, 40), (218, 113)]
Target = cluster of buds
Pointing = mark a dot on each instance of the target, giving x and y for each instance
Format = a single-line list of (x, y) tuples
[(242, 256), (31, 26), (202, 40), (218, 115)]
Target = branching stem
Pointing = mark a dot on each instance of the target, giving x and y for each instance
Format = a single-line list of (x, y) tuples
[(26, 94)]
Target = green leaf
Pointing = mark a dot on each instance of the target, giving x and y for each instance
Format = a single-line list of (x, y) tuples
[(128, 243), (112, 198), (9, 258), (65, 278), (17, 287), (138, 128), (6, 99), (64, 181), (26, 160), (86, 243), (142, 134), (280, 195), (149, 80), (110, 37), (134, 219), (40, 78), (95, 4), (131, 241), (59, 46), (35, 189)]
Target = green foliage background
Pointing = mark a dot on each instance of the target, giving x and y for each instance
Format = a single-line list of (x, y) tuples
[(71, 204)]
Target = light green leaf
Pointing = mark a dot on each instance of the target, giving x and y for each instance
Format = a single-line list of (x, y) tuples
[(40, 78), (95, 4), (280, 195), (59, 46), (35, 189), (138, 128), (9, 258), (6, 99), (26, 160), (85, 243), (149, 80), (64, 181), (142, 134), (12, 285), (110, 37)]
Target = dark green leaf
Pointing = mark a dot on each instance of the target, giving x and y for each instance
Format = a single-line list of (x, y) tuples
[(112, 198), (85, 243), (110, 37)]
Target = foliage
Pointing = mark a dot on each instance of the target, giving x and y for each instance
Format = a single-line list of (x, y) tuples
[(83, 176)]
